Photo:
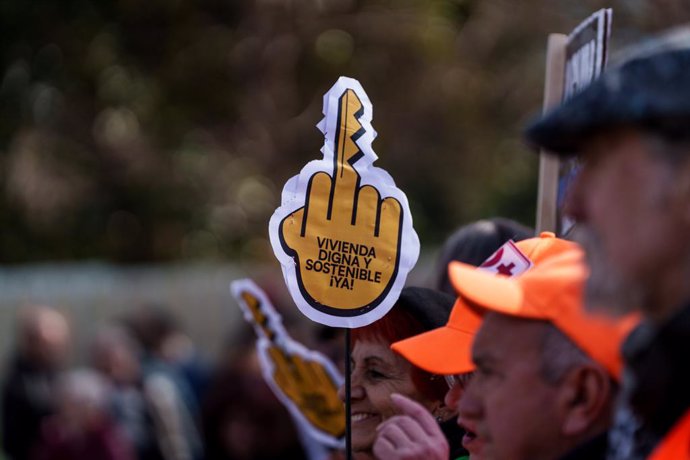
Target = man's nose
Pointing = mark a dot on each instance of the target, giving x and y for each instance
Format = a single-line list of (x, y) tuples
[(453, 395), (469, 404), (356, 390)]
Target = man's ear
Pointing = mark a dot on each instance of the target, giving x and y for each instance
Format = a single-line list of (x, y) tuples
[(585, 399)]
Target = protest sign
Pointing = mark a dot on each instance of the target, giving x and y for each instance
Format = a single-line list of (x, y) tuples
[(305, 381), (573, 62), (585, 58), (343, 233), (586, 51)]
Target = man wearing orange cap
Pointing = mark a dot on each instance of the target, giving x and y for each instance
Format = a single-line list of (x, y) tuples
[(546, 371)]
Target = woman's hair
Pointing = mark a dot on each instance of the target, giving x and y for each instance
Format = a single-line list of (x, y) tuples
[(474, 243), (397, 324), (418, 310)]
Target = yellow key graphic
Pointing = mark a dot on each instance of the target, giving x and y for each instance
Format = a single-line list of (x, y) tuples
[(303, 381), (346, 239)]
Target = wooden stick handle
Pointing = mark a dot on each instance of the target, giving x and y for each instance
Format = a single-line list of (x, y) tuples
[(549, 164)]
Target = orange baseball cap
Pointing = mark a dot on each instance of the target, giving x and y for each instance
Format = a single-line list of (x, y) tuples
[(447, 350), (551, 291)]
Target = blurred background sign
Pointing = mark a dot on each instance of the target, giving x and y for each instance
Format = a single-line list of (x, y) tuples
[(572, 63)]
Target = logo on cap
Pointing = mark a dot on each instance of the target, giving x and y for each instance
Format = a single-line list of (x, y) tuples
[(507, 260)]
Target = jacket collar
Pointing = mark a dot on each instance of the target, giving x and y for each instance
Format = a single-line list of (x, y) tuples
[(658, 371)]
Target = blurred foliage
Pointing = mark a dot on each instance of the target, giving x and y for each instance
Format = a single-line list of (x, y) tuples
[(163, 130)]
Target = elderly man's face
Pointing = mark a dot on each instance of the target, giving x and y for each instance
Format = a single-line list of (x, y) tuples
[(626, 203), (509, 406)]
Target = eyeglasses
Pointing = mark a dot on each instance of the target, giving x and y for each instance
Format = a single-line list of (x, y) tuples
[(454, 379), (458, 379)]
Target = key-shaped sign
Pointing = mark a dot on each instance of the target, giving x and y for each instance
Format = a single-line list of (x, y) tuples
[(343, 233), (305, 381)]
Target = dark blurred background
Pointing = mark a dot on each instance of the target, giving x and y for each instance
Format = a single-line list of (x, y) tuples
[(144, 145), (158, 131)]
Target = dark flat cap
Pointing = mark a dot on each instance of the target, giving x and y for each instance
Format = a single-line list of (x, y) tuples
[(650, 90)]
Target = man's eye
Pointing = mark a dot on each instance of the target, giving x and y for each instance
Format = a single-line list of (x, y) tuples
[(485, 371)]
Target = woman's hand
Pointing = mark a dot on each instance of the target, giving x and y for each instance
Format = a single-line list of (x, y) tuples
[(412, 435)]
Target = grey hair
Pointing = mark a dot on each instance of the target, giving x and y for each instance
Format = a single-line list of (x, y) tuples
[(559, 355)]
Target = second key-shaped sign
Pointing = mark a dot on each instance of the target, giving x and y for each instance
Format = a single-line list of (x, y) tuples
[(343, 233)]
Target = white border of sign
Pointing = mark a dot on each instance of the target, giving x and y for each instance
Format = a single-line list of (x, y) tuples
[(289, 346), (294, 194)]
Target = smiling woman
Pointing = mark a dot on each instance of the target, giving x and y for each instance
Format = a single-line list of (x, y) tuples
[(378, 372)]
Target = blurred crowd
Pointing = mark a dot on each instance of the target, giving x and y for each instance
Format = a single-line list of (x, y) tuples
[(145, 393)]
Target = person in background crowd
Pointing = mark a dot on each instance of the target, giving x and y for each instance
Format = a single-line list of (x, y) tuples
[(474, 243), (630, 131), (81, 428), (159, 330), (242, 419), (377, 372), (116, 356), (43, 338), (171, 400), (180, 351)]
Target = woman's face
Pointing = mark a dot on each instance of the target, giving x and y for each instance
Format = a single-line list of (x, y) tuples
[(377, 373)]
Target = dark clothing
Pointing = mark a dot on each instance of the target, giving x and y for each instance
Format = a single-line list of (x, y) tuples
[(453, 433), (658, 375), (243, 419), (131, 413), (676, 444), (101, 442), (173, 410), (26, 401), (196, 374), (594, 449)]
